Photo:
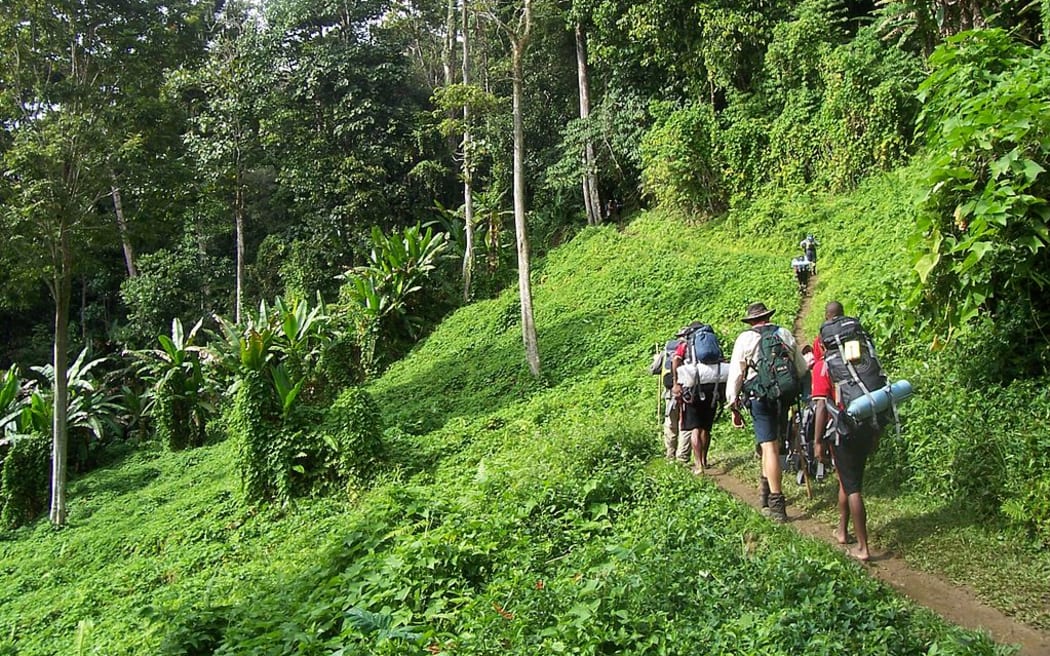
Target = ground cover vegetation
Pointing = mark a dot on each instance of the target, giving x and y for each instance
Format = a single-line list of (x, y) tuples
[(173, 166), (532, 518)]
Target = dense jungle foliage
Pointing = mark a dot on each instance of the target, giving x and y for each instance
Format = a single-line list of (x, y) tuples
[(250, 313)]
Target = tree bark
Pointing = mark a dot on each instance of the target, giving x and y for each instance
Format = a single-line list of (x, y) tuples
[(122, 226), (591, 199), (62, 282), (468, 193), (238, 220), (519, 43), (448, 62)]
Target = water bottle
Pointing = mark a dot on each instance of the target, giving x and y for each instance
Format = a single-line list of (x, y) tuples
[(879, 400)]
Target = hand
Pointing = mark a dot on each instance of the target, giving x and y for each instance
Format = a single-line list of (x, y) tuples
[(676, 390), (738, 421), (818, 451)]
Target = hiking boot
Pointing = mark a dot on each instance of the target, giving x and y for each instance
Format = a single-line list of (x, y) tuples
[(763, 494), (777, 511)]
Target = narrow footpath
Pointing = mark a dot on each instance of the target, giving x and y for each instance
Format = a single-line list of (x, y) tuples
[(957, 605)]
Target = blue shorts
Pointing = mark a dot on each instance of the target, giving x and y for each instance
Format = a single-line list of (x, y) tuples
[(770, 419)]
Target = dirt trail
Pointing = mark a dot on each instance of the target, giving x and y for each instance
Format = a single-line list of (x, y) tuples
[(955, 604)]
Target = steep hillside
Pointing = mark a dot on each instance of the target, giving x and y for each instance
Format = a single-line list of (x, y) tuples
[(514, 516)]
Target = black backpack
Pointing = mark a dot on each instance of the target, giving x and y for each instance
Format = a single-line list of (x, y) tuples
[(775, 376), (662, 363), (853, 367)]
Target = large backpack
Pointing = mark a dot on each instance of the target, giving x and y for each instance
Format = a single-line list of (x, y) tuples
[(704, 365), (853, 367), (703, 346), (775, 376)]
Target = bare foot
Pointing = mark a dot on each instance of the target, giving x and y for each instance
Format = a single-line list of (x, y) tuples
[(699, 471), (860, 554), (843, 539)]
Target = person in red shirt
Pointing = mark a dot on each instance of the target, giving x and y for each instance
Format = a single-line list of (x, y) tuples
[(850, 453)]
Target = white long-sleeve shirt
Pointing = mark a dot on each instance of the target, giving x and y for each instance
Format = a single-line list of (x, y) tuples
[(745, 354)]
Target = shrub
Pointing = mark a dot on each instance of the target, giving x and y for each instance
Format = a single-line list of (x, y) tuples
[(679, 164), (981, 245), (254, 424), (352, 429), (171, 284), (25, 477)]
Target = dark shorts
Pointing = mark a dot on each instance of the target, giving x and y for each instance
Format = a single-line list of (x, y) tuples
[(851, 455), (770, 419), (698, 414)]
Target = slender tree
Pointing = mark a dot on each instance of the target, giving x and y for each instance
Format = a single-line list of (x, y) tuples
[(468, 164), (54, 62), (591, 199), (225, 137), (518, 30)]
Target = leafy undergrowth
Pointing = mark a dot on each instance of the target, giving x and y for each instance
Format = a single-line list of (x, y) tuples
[(514, 516)]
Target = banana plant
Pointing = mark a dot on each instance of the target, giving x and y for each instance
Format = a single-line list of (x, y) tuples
[(287, 390), (397, 266), (303, 331), (10, 403), (91, 411), (180, 396)]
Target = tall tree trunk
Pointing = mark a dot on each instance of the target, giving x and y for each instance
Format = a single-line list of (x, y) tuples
[(528, 325), (122, 226), (591, 199), (62, 284), (448, 56), (238, 219), (468, 174)]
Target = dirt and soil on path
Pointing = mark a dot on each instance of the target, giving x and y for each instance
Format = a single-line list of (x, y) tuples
[(955, 604)]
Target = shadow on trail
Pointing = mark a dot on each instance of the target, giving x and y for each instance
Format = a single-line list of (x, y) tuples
[(909, 532)]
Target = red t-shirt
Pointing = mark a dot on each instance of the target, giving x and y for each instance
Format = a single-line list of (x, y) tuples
[(822, 386), (680, 351)]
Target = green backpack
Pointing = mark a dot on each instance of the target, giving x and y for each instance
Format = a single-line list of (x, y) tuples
[(775, 376)]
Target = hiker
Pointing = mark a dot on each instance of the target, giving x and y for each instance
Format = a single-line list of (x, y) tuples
[(612, 210), (803, 268), (764, 374), (850, 452), (807, 378), (676, 442), (698, 374), (809, 248)]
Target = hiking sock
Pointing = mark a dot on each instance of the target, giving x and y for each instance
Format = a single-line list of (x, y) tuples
[(777, 507), (763, 495)]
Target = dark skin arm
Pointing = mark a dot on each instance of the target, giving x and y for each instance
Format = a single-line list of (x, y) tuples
[(820, 413)]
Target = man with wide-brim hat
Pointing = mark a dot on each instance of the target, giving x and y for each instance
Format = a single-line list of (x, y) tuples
[(769, 415), (757, 312)]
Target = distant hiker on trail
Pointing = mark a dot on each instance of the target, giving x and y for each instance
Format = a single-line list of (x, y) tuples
[(764, 375), (612, 210), (699, 375), (850, 451), (803, 268), (809, 248)]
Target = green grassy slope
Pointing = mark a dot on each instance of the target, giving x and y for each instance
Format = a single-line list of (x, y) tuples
[(515, 516)]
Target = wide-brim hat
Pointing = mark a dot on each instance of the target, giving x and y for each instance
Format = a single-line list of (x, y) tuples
[(690, 328), (757, 312)]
